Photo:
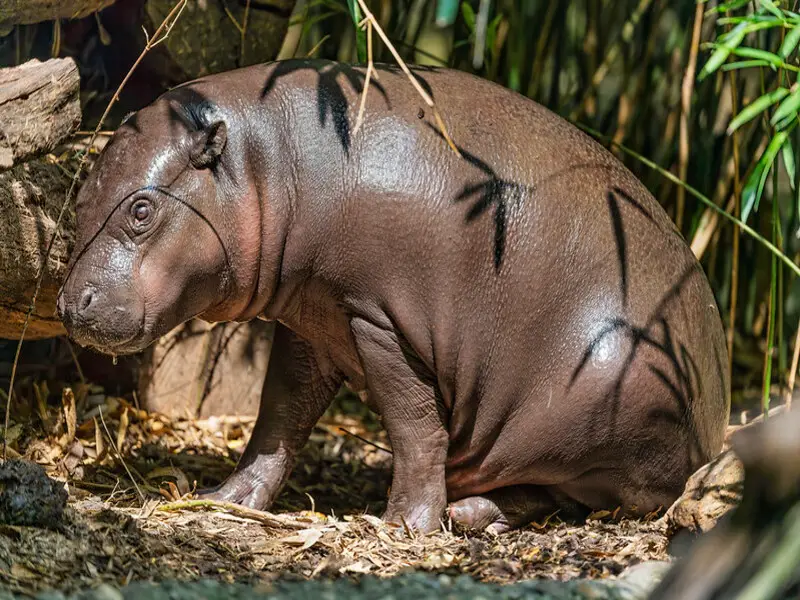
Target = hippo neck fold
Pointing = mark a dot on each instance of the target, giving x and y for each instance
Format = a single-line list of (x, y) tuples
[(294, 184)]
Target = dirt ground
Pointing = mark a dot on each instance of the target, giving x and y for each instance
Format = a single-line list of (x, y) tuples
[(130, 518)]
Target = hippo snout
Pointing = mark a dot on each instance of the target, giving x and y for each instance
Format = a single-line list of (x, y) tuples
[(93, 317)]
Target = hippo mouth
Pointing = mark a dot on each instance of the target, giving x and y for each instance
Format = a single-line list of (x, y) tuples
[(109, 335), (93, 337)]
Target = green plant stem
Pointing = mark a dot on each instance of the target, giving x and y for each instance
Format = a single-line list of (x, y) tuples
[(773, 302), (692, 191)]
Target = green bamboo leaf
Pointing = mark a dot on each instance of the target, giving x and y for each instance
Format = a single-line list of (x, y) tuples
[(309, 22), (722, 53), (491, 33), (755, 108), (732, 5), (751, 24), (770, 6), (756, 54), (469, 16), (781, 125), (744, 64), (754, 188), (788, 108), (752, 19), (789, 42), (787, 153), (361, 35)]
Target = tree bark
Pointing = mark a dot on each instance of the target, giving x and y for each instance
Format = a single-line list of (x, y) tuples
[(208, 38), (200, 370), (30, 200), (39, 107), (20, 12)]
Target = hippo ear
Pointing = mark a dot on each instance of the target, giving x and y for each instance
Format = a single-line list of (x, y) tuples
[(207, 145)]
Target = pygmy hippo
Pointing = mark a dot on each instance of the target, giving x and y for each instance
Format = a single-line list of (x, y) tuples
[(524, 316)]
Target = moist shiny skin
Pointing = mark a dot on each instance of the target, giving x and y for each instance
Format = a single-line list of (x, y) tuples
[(530, 325)]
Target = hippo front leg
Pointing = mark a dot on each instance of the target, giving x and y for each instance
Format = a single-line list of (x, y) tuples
[(297, 391), (411, 416)]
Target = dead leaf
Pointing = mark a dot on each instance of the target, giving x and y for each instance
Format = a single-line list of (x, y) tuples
[(122, 430), (180, 478), (70, 416), (598, 515), (532, 554), (73, 458), (305, 537), (439, 560), (100, 446), (359, 567)]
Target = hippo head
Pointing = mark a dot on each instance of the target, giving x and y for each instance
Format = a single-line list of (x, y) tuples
[(153, 231)]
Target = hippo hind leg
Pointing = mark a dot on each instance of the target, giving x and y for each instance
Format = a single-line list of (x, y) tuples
[(507, 508)]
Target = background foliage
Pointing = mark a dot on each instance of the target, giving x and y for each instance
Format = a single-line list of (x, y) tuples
[(706, 90)]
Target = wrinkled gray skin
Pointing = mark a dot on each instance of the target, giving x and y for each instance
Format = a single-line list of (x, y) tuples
[(533, 330)]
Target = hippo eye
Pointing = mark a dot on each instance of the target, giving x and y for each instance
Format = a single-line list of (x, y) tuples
[(142, 212)]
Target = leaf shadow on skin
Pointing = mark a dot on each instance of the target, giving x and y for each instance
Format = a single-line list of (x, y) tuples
[(681, 379), (331, 99), (500, 193)]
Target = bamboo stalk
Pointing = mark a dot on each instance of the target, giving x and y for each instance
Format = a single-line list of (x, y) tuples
[(687, 91)]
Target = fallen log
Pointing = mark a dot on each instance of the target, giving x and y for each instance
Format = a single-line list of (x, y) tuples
[(21, 12), (39, 108), (30, 200)]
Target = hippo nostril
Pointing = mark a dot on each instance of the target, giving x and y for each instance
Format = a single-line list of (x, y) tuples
[(87, 297)]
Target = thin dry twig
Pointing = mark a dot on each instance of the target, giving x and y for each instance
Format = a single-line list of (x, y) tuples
[(232, 18), (75, 361), (160, 34), (318, 45), (369, 17), (370, 70), (122, 460), (241, 28), (366, 441), (263, 517), (244, 32)]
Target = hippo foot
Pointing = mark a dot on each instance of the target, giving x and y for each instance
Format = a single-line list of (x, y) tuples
[(508, 508), (238, 491), (479, 513), (254, 486), (422, 517)]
